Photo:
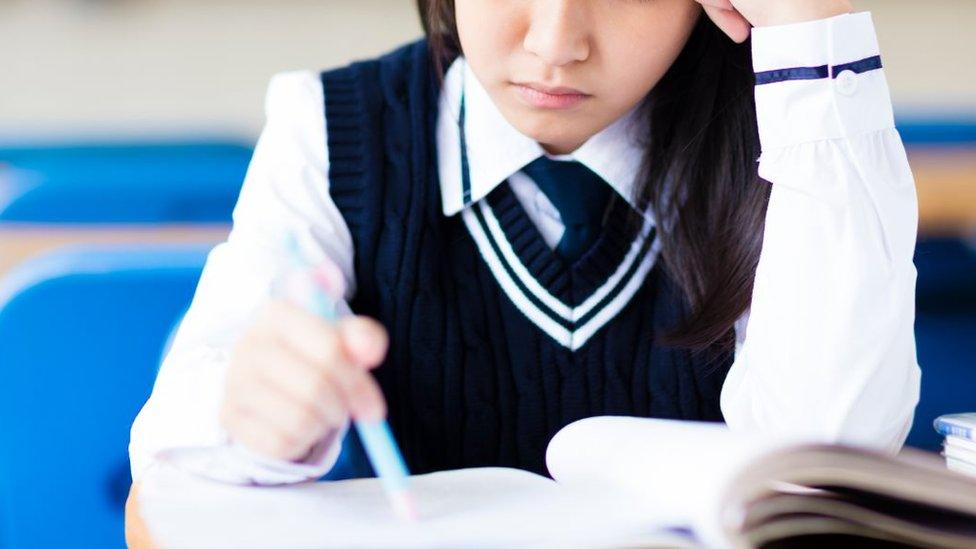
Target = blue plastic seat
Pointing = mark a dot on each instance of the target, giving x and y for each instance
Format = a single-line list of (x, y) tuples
[(941, 132), (945, 322), (945, 333), (174, 182), (81, 332)]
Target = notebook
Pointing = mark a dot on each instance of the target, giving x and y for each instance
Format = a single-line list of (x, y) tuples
[(959, 447), (616, 482)]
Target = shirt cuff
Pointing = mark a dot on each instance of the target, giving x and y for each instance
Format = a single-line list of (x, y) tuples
[(319, 461), (819, 80), (233, 464)]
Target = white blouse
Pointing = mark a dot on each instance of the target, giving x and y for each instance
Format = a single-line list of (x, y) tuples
[(827, 350)]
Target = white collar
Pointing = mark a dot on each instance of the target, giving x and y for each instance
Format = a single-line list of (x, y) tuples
[(496, 150)]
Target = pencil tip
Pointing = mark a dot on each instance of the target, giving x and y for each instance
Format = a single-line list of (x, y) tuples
[(405, 506)]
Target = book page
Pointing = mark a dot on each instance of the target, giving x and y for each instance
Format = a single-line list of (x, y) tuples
[(488, 507), (677, 470)]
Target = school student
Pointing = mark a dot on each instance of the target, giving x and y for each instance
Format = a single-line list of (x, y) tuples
[(553, 209)]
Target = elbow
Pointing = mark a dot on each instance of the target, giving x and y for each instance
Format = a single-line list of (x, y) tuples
[(879, 419), (884, 426), (877, 416)]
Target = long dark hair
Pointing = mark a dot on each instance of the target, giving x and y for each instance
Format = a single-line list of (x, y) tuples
[(699, 176)]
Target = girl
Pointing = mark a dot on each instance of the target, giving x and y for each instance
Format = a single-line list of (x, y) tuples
[(552, 209)]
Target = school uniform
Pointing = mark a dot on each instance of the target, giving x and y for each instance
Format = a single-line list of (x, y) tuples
[(512, 312)]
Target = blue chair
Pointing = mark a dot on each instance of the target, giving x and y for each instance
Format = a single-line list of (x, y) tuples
[(352, 461), (945, 333), (168, 182), (945, 322), (81, 330), (941, 132)]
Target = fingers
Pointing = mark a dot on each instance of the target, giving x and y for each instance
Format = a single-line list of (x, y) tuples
[(293, 378), (723, 4), (290, 426), (362, 395), (338, 354), (305, 386), (359, 340), (727, 18), (365, 340), (306, 334)]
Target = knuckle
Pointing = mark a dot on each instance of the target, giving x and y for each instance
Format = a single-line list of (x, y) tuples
[(281, 444), (306, 420), (318, 388), (336, 415), (322, 349)]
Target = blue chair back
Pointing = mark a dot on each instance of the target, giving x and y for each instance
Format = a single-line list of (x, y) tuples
[(945, 333), (122, 183), (939, 132), (81, 330)]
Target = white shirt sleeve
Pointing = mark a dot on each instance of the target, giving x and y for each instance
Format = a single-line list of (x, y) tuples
[(829, 349), (285, 190)]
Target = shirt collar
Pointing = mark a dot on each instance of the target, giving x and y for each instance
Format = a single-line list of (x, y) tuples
[(496, 150)]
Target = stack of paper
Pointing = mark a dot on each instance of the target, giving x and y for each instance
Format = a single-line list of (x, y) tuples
[(959, 447)]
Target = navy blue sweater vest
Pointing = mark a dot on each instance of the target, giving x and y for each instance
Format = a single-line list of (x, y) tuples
[(470, 379)]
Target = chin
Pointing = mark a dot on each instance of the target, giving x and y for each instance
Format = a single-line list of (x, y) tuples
[(548, 128)]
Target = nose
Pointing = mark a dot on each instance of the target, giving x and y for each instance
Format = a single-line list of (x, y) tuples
[(557, 32)]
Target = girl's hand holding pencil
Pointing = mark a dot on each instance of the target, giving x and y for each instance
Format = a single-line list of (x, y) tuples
[(294, 376)]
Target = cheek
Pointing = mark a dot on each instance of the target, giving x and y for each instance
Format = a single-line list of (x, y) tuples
[(489, 31), (643, 52)]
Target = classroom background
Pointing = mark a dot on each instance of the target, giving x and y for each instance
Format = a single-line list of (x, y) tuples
[(126, 127)]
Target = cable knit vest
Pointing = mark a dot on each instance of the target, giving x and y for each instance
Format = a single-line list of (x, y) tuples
[(495, 342)]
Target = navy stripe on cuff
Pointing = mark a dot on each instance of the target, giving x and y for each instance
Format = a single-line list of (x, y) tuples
[(816, 73), (864, 65)]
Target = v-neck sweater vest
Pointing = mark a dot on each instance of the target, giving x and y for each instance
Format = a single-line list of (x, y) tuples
[(496, 342)]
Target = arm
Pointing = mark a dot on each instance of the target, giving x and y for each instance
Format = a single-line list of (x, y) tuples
[(829, 350), (286, 189)]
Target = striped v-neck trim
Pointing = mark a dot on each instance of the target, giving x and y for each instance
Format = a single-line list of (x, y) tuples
[(568, 301), (570, 281)]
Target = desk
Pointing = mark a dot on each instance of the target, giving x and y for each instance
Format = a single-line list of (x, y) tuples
[(946, 183), (945, 179), (21, 241), (136, 532)]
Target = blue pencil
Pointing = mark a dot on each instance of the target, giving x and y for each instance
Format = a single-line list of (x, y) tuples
[(381, 448)]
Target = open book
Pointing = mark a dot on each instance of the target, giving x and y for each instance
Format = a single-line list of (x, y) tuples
[(618, 482)]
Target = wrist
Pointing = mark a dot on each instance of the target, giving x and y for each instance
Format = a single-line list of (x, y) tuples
[(785, 12)]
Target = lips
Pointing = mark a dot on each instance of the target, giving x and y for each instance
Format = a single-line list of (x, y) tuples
[(559, 90), (549, 97)]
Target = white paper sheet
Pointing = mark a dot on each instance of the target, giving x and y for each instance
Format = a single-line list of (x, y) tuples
[(490, 507)]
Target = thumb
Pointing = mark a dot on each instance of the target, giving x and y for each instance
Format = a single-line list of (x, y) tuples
[(364, 340), (731, 22)]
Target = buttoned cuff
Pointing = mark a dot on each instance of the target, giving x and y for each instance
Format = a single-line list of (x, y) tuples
[(818, 80)]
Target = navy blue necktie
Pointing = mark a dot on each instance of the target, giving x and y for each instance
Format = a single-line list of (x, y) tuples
[(579, 194)]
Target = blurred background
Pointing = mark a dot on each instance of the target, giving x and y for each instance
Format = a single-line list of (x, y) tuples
[(126, 127)]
